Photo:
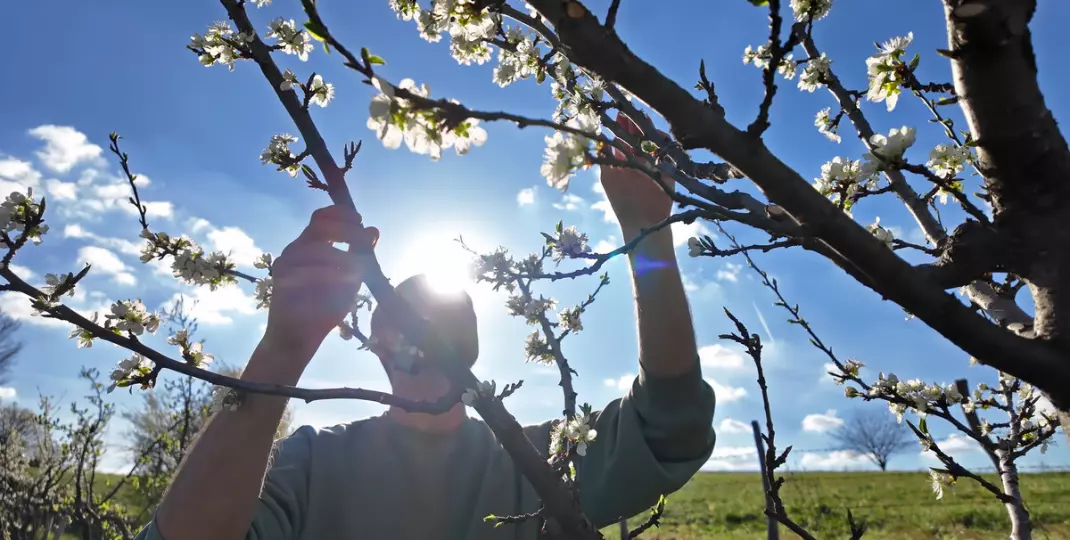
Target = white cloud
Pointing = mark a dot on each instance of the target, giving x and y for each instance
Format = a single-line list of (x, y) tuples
[(700, 290), (525, 197), (726, 393), (719, 356), (732, 458), (61, 191), (6, 392), (623, 383), (215, 307), (836, 460), (825, 369), (730, 272), (570, 202), (606, 245), (107, 262), (602, 204), (22, 271), (729, 425), (820, 423), (234, 241), (17, 175), (65, 147), (17, 306), (954, 445), (681, 231), (122, 245)]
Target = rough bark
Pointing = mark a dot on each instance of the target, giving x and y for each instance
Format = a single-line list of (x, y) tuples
[(1021, 153), (697, 125)]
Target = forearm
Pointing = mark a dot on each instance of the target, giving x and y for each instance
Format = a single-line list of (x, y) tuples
[(666, 332), (217, 488)]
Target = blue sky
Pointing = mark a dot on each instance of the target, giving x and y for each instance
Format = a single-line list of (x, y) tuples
[(196, 133)]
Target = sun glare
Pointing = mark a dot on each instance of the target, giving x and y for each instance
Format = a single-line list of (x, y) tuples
[(445, 263)]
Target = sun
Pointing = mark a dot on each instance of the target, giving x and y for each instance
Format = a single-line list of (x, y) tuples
[(444, 261)]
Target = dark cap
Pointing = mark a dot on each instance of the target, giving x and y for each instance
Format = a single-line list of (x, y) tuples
[(452, 313)]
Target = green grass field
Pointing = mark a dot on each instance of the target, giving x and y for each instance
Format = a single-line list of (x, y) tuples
[(895, 505)]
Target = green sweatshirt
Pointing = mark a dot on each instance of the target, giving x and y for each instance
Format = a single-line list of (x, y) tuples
[(376, 479)]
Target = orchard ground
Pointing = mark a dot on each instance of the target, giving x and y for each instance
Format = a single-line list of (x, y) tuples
[(894, 505)]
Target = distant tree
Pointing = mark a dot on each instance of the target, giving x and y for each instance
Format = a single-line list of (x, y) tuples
[(876, 434), (9, 347)]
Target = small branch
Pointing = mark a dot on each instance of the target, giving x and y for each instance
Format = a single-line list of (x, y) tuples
[(777, 53), (611, 15), (947, 187), (653, 521)]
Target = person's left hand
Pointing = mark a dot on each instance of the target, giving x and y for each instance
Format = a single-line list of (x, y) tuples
[(636, 199)]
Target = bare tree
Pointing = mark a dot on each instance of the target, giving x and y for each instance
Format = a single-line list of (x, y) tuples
[(875, 434), (9, 347)]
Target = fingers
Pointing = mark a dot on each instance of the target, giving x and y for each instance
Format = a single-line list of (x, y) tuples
[(334, 224)]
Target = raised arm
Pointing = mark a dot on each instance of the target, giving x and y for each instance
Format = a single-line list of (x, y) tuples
[(220, 491)]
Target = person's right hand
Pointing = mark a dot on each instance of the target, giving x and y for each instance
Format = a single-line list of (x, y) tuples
[(315, 283)]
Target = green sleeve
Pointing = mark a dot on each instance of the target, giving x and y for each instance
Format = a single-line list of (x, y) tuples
[(649, 443), (284, 498)]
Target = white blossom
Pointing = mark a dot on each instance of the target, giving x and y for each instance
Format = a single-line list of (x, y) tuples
[(131, 316), (289, 81), (816, 69), (881, 233), (128, 367), (564, 153), (289, 38), (536, 349), (695, 247), (947, 160), (890, 147), (842, 176), (570, 320), (761, 57), (278, 153), (322, 92), (263, 292), (263, 261), (569, 243), (219, 45), (802, 9), (485, 390), (823, 122), (884, 83), (940, 481)]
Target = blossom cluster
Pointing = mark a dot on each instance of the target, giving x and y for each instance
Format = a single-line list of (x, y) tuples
[(190, 262), (574, 433), (485, 390), (885, 75), (192, 351), (220, 45), (131, 317), (134, 366), (569, 242), (396, 119), (17, 212), (810, 10)]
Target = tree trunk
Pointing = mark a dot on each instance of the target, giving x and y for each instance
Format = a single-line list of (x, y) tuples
[(1021, 529), (1021, 153)]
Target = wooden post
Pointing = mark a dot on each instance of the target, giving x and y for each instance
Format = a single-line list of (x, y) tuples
[(624, 529), (772, 531)]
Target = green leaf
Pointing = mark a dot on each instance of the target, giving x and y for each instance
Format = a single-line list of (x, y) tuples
[(648, 147), (315, 30), (371, 58), (759, 3), (914, 62), (945, 53), (540, 76), (923, 426)]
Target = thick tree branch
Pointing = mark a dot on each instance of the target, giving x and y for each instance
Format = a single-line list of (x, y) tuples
[(695, 125), (972, 251)]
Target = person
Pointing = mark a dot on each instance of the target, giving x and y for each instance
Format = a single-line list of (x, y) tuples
[(406, 475)]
